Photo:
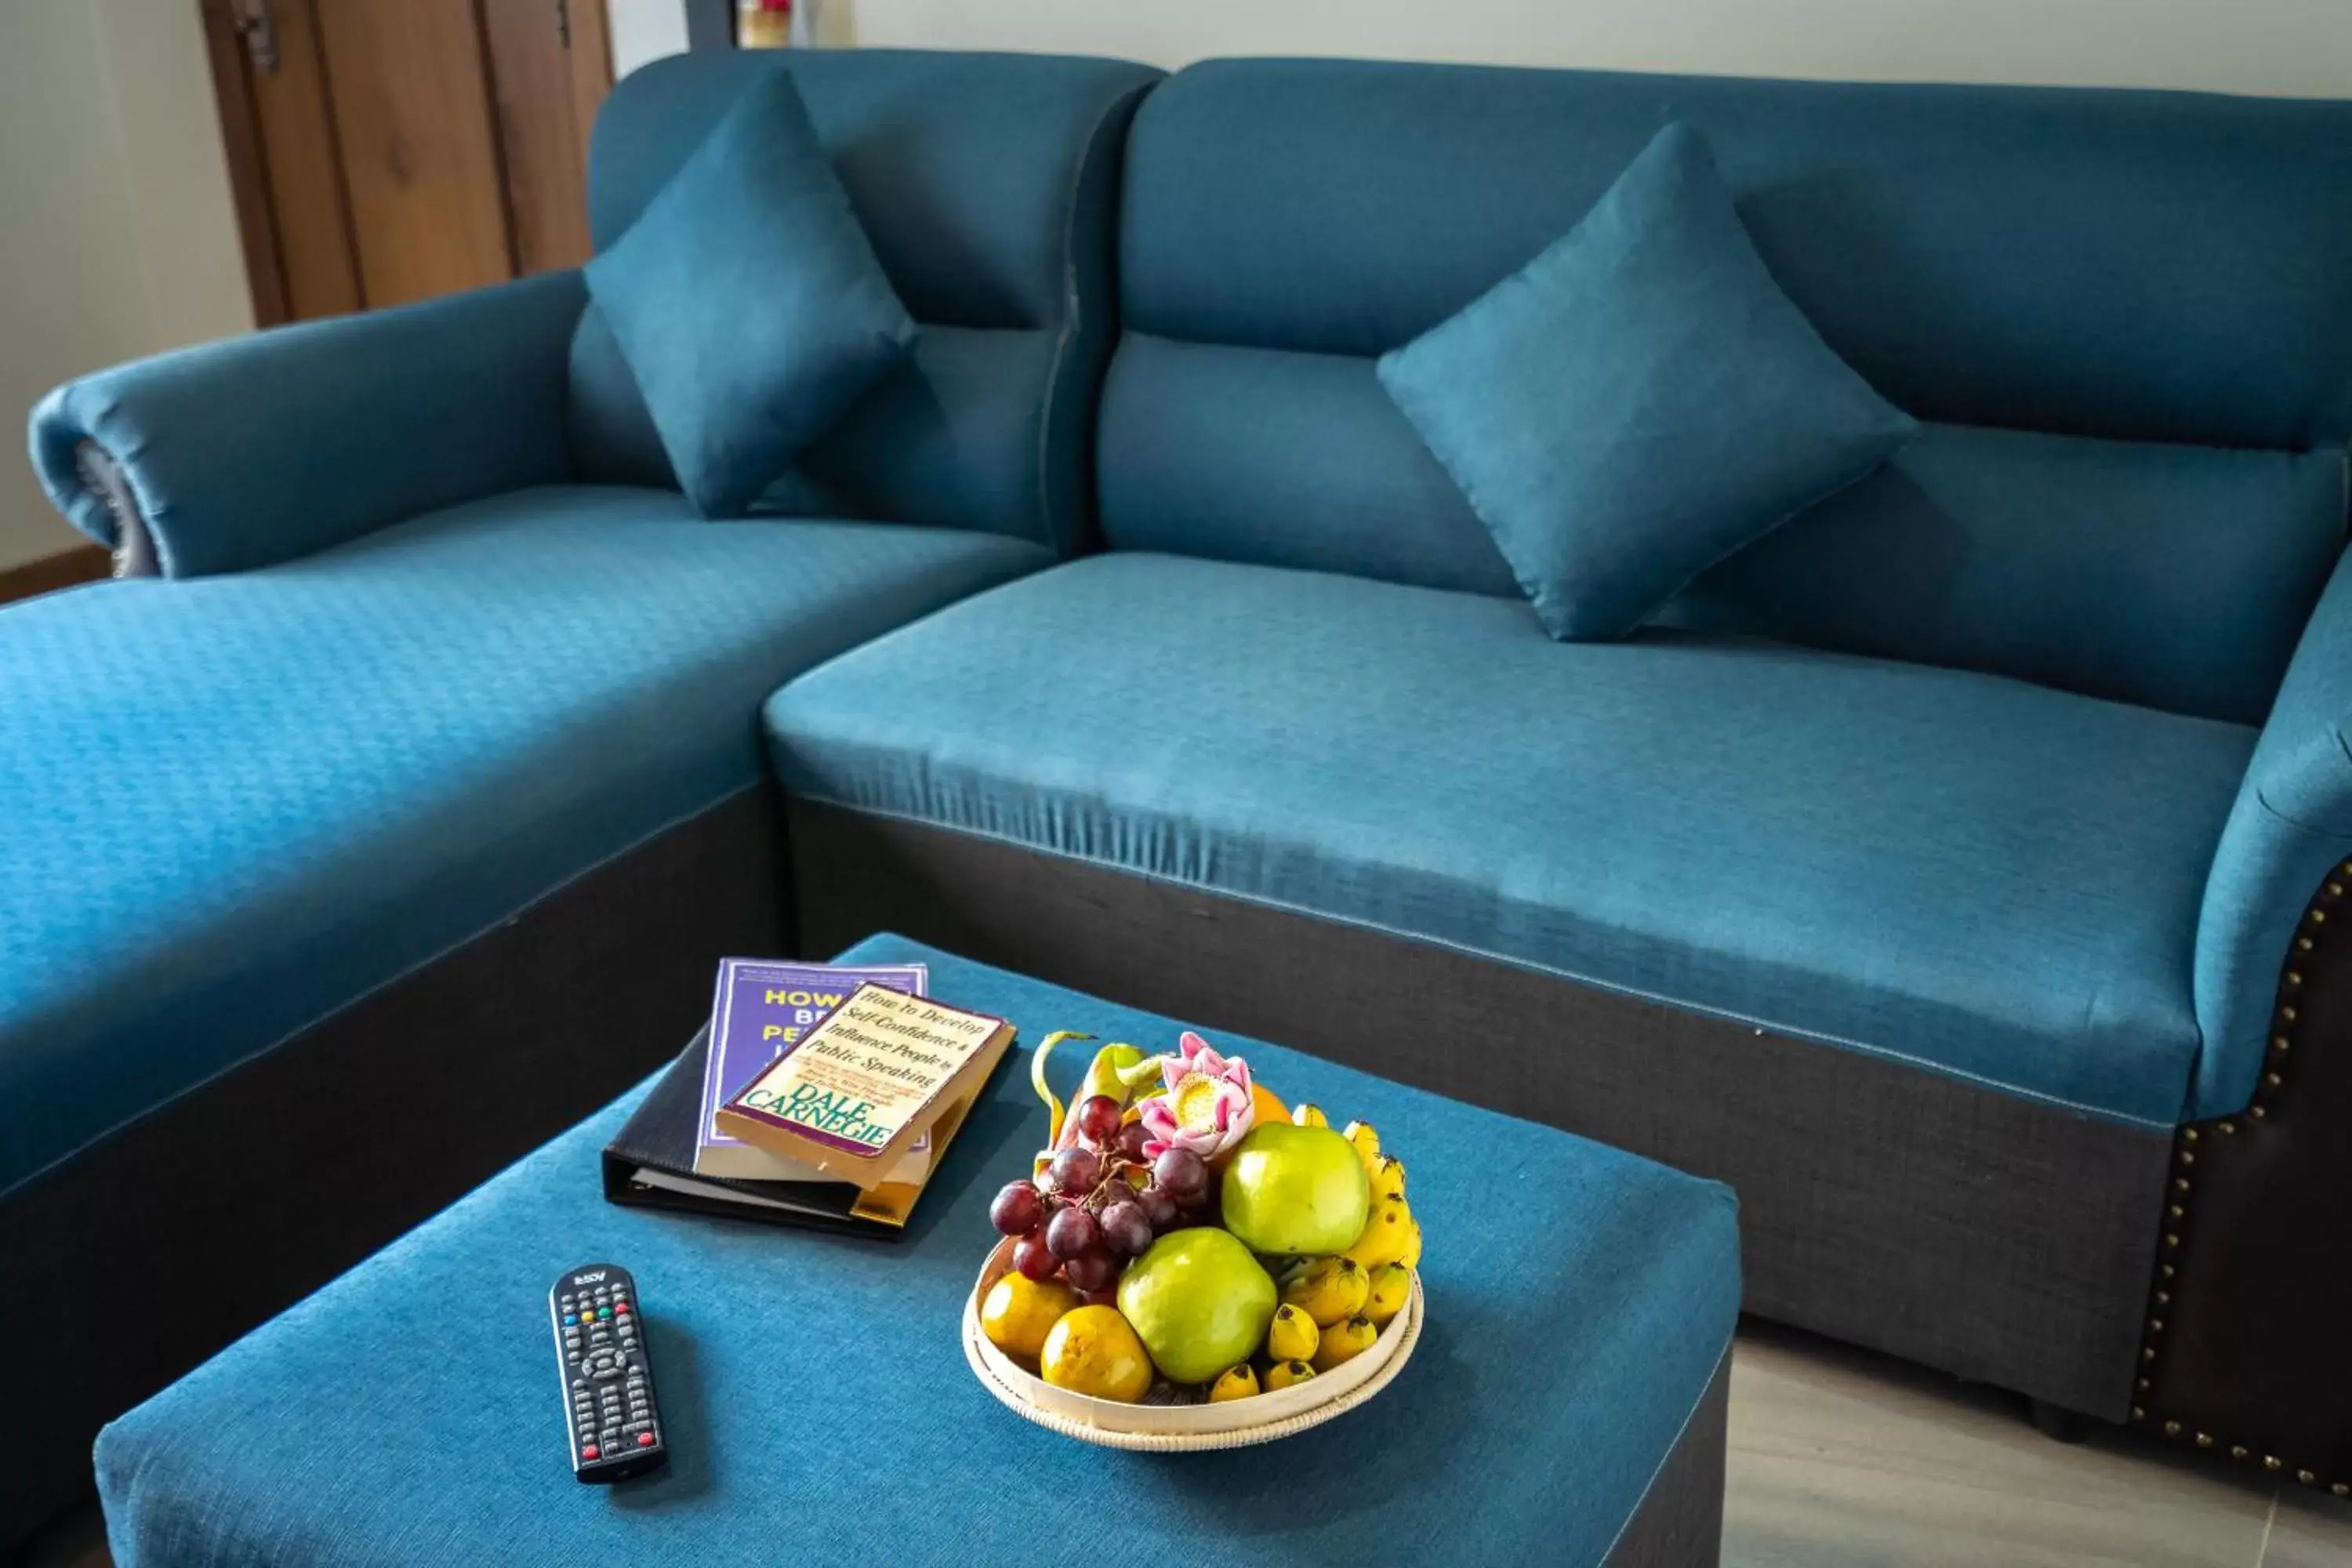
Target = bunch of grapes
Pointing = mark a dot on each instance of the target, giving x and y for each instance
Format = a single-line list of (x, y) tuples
[(1100, 1202)]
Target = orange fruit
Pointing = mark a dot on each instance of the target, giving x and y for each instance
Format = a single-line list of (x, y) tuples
[(1267, 1105), (1019, 1312)]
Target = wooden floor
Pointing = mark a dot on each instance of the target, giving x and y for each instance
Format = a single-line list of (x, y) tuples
[(1840, 1458), (65, 569), (1844, 1460)]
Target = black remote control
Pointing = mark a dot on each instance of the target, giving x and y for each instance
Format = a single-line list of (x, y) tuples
[(608, 1380)]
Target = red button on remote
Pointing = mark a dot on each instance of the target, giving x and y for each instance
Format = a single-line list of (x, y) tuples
[(645, 1439), (589, 1452)]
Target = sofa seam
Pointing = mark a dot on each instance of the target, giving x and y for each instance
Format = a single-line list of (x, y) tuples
[(1072, 323), (444, 950), (1722, 1368), (1761, 1025)]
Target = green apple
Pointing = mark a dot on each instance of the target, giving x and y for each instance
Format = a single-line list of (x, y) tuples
[(1298, 1190), (1199, 1301)]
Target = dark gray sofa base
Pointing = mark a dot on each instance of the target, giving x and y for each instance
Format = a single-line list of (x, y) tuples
[(142, 1256), (1680, 1522), (2247, 1347), (1996, 1238)]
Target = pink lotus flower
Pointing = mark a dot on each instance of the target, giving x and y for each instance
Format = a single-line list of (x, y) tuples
[(1206, 1105)]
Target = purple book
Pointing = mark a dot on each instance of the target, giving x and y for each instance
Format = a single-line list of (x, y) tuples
[(760, 1011)]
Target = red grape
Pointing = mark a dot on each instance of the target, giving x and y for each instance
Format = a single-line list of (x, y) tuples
[(1182, 1173), (1076, 1171), (1033, 1257), (1071, 1233), (1125, 1227), (1157, 1207), (1092, 1271), (1098, 1117), (1131, 1140), (1017, 1210)]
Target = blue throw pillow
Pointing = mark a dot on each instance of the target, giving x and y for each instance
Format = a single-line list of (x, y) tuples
[(748, 302), (1640, 400)]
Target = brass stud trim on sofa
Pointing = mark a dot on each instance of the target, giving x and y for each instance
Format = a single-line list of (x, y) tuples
[(2177, 1219)]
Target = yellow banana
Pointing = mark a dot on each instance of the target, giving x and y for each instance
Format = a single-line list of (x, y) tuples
[(1345, 1342), (1282, 1373), (1291, 1335), (1305, 1115), (1391, 1283), (1327, 1289), (1235, 1383), (1367, 1142), (1387, 1233)]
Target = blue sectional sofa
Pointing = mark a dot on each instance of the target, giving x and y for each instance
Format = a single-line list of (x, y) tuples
[(1949, 871)]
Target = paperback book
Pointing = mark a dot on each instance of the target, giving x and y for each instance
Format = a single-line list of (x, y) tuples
[(855, 1093), (759, 1013), (656, 1159)]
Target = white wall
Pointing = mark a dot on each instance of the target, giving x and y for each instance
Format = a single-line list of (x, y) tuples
[(2296, 46), (643, 30), (117, 234)]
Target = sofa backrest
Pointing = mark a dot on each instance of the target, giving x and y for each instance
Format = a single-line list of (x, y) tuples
[(988, 184), (2125, 316)]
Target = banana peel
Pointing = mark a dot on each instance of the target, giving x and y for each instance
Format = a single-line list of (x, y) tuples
[(1055, 1109), (1117, 1071), (1134, 1071)]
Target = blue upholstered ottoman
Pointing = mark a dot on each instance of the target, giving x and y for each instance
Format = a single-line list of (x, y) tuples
[(1565, 1404)]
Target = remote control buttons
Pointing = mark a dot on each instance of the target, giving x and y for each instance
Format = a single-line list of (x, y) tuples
[(609, 1405)]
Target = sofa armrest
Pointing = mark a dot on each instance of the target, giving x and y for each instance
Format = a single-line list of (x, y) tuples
[(2291, 827), (260, 448)]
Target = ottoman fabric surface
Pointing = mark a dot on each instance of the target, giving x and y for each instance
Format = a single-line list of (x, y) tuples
[(1579, 1302)]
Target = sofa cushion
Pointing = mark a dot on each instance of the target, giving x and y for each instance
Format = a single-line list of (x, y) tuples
[(748, 301), (1639, 401), (987, 184), (2146, 270), (235, 803), (1970, 874), (2119, 569)]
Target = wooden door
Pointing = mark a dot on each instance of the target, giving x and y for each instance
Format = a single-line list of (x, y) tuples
[(548, 82), (386, 151)]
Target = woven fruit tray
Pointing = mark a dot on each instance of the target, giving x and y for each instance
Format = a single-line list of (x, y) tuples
[(1191, 1262), (1181, 1428)]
